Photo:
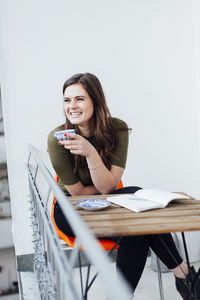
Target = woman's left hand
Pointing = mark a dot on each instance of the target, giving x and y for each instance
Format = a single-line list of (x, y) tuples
[(77, 144)]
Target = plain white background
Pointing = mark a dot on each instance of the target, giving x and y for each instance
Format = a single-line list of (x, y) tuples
[(146, 54)]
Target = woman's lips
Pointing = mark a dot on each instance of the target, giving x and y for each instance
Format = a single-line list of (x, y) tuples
[(73, 114)]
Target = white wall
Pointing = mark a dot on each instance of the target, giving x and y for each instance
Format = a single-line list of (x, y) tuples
[(196, 11), (8, 274), (145, 54)]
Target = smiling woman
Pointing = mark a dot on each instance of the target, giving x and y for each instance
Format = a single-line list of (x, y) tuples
[(78, 107), (92, 161)]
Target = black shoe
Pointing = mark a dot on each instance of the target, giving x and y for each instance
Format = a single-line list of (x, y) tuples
[(185, 287)]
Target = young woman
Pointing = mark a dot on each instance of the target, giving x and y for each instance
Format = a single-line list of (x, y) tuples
[(92, 162)]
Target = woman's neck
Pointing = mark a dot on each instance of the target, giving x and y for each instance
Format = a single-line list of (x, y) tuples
[(86, 130)]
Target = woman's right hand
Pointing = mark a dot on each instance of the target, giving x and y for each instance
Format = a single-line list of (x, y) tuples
[(104, 180), (77, 144)]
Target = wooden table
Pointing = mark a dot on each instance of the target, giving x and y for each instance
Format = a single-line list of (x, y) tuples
[(179, 215)]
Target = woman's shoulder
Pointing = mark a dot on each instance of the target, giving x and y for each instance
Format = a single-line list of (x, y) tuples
[(118, 123)]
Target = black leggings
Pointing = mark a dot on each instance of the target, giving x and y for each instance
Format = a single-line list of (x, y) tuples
[(133, 250)]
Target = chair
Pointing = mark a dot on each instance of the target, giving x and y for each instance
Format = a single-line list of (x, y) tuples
[(69, 240)]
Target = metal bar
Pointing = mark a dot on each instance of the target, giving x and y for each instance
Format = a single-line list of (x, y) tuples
[(187, 255), (48, 196), (116, 244), (160, 283), (109, 253), (87, 280), (117, 288), (80, 272), (40, 264), (193, 283), (36, 171)]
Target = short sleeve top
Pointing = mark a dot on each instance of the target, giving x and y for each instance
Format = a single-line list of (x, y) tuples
[(63, 161)]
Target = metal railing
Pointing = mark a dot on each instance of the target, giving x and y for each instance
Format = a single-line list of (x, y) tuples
[(54, 271)]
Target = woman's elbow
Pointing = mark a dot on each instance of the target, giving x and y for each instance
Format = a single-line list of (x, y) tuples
[(107, 190)]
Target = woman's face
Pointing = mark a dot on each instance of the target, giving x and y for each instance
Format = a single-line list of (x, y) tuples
[(78, 105)]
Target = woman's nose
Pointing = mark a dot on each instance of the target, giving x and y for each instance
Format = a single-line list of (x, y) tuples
[(73, 103)]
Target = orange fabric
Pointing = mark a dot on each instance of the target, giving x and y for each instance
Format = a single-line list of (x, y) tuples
[(120, 185), (69, 240), (56, 178)]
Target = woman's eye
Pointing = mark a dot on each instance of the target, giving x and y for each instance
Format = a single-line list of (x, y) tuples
[(66, 100), (80, 99)]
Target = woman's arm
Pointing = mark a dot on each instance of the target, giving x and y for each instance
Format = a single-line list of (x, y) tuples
[(104, 180), (78, 189)]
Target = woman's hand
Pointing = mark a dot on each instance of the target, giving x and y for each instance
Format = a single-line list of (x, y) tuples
[(77, 144), (104, 180)]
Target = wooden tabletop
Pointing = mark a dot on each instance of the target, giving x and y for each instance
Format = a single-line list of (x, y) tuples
[(179, 215)]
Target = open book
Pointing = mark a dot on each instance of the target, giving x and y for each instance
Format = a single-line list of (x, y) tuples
[(145, 199)]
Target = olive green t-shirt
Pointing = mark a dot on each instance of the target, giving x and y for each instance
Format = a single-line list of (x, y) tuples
[(63, 162)]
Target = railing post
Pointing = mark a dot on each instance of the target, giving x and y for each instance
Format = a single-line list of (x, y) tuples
[(54, 271)]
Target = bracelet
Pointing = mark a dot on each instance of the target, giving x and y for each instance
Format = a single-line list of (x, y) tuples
[(91, 169)]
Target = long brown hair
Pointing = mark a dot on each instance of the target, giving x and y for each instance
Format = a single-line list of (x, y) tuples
[(102, 130)]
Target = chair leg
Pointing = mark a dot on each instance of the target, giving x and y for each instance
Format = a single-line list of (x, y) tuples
[(160, 283)]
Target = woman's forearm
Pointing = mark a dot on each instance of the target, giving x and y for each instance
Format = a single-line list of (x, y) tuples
[(89, 190), (78, 189), (102, 178)]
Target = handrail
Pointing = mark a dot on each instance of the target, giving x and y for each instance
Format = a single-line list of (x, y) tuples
[(47, 242)]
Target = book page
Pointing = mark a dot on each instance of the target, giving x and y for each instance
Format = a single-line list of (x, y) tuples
[(134, 203), (159, 196)]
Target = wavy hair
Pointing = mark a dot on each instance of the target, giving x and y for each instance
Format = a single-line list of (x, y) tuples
[(102, 128)]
